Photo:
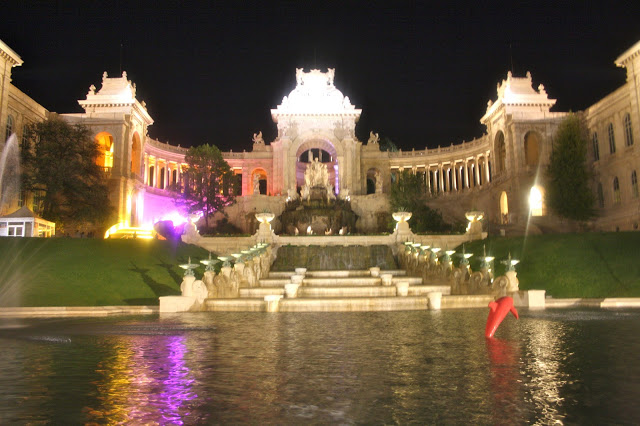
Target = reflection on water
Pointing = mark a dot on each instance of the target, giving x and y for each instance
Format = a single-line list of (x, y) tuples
[(396, 367)]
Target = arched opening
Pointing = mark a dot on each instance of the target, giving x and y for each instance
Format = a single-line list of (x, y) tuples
[(259, 182), (536, 201), (174, 177), (531, 149), (136, 150), (105, 150), (501, 153), (374, 179), (152, 176), (163, 173), (504, 208)]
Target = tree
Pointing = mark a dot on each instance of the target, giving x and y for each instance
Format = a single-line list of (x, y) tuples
[(569, 194), (408, 193), (209, 184), (59, 164)]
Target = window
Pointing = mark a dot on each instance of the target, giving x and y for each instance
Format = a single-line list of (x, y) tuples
[(38, 201), (616, 191), (596, 149), (25, 136), (634, 184), (612, 139), (628, 134), (600, 195), (9, 126)]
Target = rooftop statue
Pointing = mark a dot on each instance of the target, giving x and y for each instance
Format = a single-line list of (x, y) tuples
[(373, 138), (257, 138)]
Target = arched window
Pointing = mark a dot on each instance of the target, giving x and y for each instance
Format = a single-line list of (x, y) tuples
[(531, 149), (596, 149), (628, 133), (600, 195), (105, 148), (634, 184), (612, 139), (536, 201), (25, 136), (616, 191), (501, 153), (9, 126)]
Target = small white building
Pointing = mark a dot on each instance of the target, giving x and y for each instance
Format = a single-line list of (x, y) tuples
[(25, 223)]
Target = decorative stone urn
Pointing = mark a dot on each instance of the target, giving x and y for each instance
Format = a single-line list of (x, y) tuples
[(402, 227), (374, 271), (402, 288), (291, 290), (387, 279), (474, 217), (264, 231)]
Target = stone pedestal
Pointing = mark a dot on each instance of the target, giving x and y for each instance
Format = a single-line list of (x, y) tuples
[(176, 303), (402, 288), (273, 302), (291, 290), (435, 300), (374, 271), (387, 279)]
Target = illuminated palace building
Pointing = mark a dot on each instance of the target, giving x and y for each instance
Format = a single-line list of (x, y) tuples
[(500, 173)]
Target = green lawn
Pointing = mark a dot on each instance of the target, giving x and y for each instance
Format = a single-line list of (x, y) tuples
[(94, 272), (91, 272), (570, 265)]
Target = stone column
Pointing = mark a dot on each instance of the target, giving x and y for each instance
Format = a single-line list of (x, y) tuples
[(486, 168), (145, 173), (466, 174)]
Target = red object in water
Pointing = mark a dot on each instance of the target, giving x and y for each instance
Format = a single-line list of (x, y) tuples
[(497, 311)]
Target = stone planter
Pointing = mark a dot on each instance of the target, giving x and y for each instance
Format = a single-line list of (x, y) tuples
[(301, 271), (297, 279), (291, 290), (435, 300), (402, 288), (387, 279), (375, 271)]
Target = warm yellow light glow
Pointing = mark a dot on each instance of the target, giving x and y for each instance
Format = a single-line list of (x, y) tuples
[(123, 230), (536, 201)]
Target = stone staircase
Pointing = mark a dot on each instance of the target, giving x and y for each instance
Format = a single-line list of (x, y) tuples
[(332, 291)]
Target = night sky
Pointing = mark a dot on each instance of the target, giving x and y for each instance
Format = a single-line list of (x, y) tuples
[(422, 75)]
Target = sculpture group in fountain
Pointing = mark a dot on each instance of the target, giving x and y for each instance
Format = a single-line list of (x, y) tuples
[(316, 176)]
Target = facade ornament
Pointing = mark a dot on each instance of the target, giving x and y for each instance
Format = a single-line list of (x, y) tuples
[(92, 90), (331, 72), (378, 178), (104, 76), (373, 138), (299, 80), (256, 184), (257, 138)]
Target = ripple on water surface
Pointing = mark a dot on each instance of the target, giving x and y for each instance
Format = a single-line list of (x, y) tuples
[(380, 367)]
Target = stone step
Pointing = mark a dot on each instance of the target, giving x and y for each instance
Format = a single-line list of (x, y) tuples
[(342, 304), (354, 304), (337, 282), (337, 274), (343, 291)]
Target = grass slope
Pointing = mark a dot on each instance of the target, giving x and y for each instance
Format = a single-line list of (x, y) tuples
[(593, 265), (91, 272)]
